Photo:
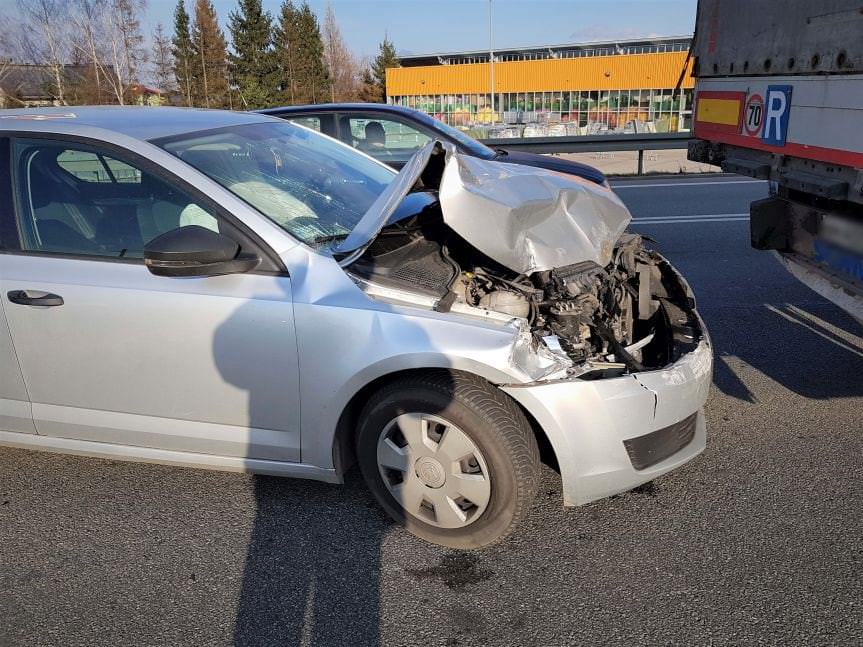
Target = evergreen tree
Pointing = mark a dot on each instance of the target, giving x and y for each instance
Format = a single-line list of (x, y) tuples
[(385, 59), (300, 56), (285, 42), (209, 72), (252, 66), (183, 53), (313, 79), (368, 88)]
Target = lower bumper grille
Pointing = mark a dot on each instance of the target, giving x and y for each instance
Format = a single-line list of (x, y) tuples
[(658, 445)]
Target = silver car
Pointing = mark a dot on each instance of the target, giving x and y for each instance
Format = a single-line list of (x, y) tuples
[(232, 291)]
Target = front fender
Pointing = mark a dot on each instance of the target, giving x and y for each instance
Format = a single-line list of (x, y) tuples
[(342, 350), (346, 340)]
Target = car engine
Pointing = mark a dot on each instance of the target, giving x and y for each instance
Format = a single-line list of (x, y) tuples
[(626, 315)]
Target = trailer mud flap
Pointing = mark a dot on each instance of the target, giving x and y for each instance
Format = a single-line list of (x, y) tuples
[(770, 224)]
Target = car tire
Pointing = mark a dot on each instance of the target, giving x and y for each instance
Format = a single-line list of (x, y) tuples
[(449, 457)]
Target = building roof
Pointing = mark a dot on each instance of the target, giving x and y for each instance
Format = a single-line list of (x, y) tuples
[(139, 89), (30, 81), (553, 51), (143, 123), (592, 73)]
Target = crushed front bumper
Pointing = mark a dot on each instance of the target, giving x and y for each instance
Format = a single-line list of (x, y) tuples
[(610, 435), (589, 422)]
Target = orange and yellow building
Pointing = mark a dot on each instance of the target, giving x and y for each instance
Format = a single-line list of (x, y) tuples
[(624, 85)]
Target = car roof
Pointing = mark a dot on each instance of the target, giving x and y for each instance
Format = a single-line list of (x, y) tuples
[(345, 107), (138, 122)]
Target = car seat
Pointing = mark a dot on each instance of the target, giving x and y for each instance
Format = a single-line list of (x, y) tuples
[(62, 221)]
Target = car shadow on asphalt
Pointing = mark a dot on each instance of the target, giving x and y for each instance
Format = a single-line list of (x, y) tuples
[(312, 564), (312, 567), (762, 320)]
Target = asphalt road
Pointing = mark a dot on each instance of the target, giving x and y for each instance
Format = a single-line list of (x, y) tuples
[(757, 542)]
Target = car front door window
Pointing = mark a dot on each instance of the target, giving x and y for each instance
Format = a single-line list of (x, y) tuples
[(79, 200), (197, 365)]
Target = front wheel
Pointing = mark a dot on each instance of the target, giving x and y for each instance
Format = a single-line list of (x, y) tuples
[(449, 457)]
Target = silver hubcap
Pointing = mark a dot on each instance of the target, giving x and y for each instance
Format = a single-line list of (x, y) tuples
[(434, 470)]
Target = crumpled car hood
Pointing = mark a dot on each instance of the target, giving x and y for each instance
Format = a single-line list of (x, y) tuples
[(530, 219), (527, 219)]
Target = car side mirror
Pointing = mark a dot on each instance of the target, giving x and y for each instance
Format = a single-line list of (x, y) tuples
[(196, 251)]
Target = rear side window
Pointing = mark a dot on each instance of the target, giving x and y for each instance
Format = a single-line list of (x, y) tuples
[(90, 167), (309, 122), (389, 140), (79, 200)]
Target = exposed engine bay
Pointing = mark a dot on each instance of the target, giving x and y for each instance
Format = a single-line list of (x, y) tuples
[(632, 314)]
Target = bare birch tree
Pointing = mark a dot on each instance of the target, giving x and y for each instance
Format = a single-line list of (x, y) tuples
[(7, 53), (88, 20), (342, 65), (124, 46), (45, 39), (4, 72), (163, 62)]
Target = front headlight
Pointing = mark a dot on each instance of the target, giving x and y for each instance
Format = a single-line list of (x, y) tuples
[(537, 361)]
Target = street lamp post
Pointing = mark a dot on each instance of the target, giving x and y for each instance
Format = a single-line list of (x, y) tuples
[(491, 56)]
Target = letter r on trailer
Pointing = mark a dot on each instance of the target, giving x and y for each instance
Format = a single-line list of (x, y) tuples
[(777, 107)]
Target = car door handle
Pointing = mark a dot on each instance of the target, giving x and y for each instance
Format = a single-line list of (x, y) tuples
[(23, 298)]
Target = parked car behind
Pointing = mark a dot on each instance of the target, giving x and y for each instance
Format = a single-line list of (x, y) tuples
[(231, 291), (392, 134)]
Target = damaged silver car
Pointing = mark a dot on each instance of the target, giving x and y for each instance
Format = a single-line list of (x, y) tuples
[(235, 292)]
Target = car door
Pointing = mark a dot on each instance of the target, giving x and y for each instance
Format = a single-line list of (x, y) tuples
[(110, 352), (388, 139), (15, 413)]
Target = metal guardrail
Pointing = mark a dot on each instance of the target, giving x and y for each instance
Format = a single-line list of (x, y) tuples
[(595, 144), (592, 143)]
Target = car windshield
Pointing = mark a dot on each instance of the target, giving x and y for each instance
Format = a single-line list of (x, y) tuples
[(472, 146), (315, 188)]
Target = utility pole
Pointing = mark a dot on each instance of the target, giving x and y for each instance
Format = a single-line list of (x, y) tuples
[(491, 56)]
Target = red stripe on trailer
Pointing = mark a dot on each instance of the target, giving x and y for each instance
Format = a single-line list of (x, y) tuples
[(829, 155), (722, 94)]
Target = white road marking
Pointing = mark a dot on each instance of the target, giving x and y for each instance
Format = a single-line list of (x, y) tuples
[(692, 216), (667, 184), (682, 221), (716, 217)]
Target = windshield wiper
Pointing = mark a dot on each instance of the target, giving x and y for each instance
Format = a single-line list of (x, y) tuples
[(317, 240)]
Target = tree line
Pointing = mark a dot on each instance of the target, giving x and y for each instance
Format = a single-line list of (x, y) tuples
[(95, 52)]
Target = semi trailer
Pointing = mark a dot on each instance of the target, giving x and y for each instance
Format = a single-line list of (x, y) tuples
[(779, 97)]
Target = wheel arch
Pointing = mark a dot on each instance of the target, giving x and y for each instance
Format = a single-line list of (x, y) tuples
[(344, 455)]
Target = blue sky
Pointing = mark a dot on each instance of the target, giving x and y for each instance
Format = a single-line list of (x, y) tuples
[(424, 26)]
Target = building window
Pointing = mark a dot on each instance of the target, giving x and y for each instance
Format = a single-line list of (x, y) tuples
[(560, 112)]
